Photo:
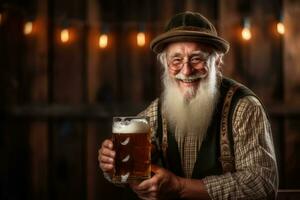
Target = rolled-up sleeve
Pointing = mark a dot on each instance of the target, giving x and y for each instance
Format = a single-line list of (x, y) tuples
[(256, 175)]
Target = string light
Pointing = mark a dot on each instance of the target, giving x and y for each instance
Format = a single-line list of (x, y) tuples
[(103, 41), (280, 25), (246, 32), (28, 27), (65, 35), (141, 39), (280, 28)]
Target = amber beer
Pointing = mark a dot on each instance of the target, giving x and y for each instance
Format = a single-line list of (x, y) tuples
[(132, 143)]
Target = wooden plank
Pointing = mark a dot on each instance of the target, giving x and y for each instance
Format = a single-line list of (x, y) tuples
[(292, 90), (37, 56), (291, 51), (101, 111)]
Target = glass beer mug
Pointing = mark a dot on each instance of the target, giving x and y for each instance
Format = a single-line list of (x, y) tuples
[(132, 143)]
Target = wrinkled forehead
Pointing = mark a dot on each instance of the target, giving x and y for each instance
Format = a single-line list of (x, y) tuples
[(187, 48)]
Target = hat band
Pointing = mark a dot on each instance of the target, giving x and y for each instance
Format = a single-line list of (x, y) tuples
[(193, 28)]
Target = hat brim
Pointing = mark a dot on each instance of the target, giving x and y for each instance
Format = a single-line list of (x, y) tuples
[(159, 43)]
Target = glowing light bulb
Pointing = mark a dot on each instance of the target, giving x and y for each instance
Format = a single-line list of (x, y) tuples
[(65, 35), (28, 27), (246, 33), (103, 41), (141, 39), (1, 18), (280, 28)]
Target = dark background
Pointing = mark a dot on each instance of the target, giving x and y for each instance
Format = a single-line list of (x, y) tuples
[(57, 99)]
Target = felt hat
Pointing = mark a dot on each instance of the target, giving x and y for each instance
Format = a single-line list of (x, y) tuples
[(189, 27)]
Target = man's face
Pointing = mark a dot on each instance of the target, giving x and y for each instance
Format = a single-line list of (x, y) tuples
[(190, 86), (187, 65)]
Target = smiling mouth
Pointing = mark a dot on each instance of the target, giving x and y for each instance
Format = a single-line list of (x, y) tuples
[(189, 80)]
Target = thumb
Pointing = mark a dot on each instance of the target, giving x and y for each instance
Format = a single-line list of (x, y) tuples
[(155, 168)]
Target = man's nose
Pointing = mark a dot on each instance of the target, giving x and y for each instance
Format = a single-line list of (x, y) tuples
[(187, 69)]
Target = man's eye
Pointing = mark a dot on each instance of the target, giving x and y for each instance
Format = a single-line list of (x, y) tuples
[(176, 61), (196, 60)]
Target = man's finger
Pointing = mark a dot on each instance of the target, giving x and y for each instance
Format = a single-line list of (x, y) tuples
[(147, 184), (107, 144), (146, 192), (154, 168), (106, 159), (106, 167), (108, 152)]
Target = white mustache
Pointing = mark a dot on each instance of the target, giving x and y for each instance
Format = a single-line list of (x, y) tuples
[(191, 77)]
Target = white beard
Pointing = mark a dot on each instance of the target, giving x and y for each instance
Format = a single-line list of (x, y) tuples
[(192, 113)]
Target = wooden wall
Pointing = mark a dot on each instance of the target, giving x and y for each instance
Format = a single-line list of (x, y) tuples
[(57, 99)]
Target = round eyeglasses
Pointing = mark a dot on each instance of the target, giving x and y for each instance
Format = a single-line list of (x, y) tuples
[(196, 61)]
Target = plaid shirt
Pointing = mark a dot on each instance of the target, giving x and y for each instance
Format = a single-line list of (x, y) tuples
[(255, 163)]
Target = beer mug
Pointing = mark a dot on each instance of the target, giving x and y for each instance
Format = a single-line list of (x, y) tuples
[(132, 143)]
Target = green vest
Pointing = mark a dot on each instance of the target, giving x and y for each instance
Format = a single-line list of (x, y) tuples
[(208, 158)]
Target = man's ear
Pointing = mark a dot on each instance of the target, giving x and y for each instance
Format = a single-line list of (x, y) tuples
[(219, 60)]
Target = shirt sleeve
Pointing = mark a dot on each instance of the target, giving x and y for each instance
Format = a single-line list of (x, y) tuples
[(151, 112), (256, 175)]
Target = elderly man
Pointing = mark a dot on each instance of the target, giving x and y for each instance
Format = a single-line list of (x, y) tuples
[(212, 135)]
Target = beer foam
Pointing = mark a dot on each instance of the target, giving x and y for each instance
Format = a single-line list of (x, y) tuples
[(135, 126)]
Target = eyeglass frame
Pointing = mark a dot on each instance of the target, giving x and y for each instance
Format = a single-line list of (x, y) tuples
[(188, 60)]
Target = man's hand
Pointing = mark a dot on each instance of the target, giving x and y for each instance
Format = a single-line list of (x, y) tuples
[(106, 156), (163, 185)]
